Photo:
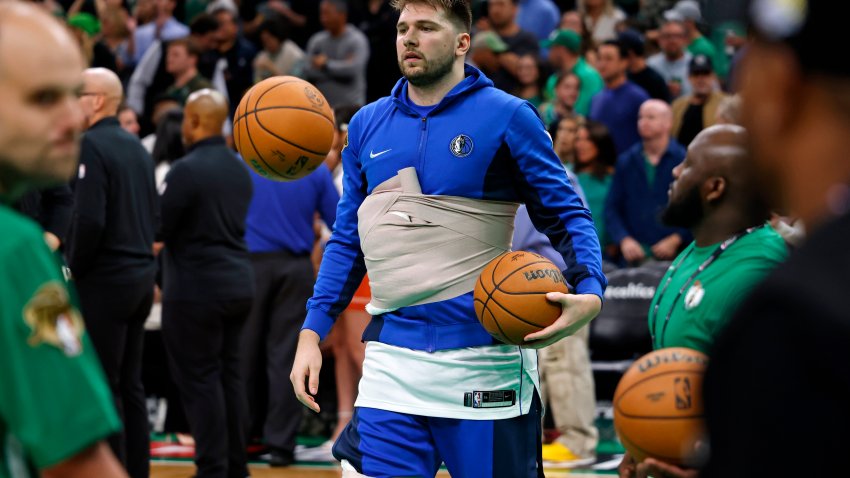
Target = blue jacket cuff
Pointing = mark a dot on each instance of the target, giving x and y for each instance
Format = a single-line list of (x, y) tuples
[(318, 321), (590, 285)]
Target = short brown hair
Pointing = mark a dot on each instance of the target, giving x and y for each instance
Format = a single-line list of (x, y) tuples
[(192, 47), (458, 11)]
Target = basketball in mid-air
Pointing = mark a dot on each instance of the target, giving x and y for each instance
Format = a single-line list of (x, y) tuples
[(658, 407), (510, 295), (283, 128)]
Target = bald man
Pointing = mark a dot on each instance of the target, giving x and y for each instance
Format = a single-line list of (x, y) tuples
[(716, 198), (110, 252), (55, 406), (208, 285), (638, 191)]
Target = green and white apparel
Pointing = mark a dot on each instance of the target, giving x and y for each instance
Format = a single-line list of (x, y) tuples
[(54, 399)]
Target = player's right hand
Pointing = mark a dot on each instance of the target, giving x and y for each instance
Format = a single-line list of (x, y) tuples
[(308, 363), (628, 467)]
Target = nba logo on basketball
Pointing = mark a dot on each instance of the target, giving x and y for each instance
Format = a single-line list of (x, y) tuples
[(683, 393)]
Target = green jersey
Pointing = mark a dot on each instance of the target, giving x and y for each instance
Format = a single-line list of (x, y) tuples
[(54, 400), (708, 299), (595, 192)]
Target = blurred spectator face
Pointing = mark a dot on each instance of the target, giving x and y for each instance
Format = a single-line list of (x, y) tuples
[(571, 20), (527, 70), (586, 150), (129, 122), (145, 11), (654, 120), (113, 23), (567, 90), (178, 60), (702, 84), (270, 43), (485, 59), (565, 137), (165, 8), (609, 63), (557, 56), (228, 30), (161, 107), (207, 42), (331, 18), (501, 12), (672, 39), (425, 44)]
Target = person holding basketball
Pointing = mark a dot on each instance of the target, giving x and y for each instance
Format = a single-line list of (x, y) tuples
[(431, 186), (714, 196)]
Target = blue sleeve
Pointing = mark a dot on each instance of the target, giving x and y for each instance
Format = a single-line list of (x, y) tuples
[(342, 267), (554, 207), (527, 238), (615, 203), (328, 198)]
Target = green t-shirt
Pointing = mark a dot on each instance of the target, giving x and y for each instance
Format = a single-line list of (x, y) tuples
[(595, 192), (702, 310), (54, 399), (590, 84)]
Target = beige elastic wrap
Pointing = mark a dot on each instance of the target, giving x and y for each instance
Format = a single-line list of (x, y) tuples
[(421, 249)]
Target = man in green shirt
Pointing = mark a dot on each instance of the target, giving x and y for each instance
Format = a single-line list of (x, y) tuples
[(688, 12), (565, 54), (714, 195), (55, 407)]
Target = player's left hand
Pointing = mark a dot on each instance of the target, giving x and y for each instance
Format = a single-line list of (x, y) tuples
[(576, 311), (651, 467)]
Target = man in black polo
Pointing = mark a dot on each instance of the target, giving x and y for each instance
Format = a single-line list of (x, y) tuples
[(110, 253), (208, 285)]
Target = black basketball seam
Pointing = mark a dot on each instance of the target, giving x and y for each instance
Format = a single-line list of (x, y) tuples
[(624, 392), (257, 119), (286, 108), (484, 288), (515, 316), (523, 293), (504, 336), (286, 83), (251, 140)]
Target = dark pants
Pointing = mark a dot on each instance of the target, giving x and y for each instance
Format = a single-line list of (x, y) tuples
[(202, 340), (115, 318), (284, 282)]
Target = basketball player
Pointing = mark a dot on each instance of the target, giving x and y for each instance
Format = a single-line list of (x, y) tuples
[(444, 152), (714, 196), (778, 384), (55, 406)]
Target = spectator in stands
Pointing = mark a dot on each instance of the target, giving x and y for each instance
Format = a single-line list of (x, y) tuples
[(618, 104), (567, 90), (600, 19), (697, 111), (688, 12), (163, 27), (379, 25), (337, 57), (530, 80), (639, 73), (595, 156), (168, 146), (208, 285), (638, 191), (115, 37), (538, 16), (728, 110), (280, 55), (564, 55), (128, 120), (110, 252), (238, 54), (502, 16), (182, 63), (485, 52), (565, 139), (673, 59), (86, 29)]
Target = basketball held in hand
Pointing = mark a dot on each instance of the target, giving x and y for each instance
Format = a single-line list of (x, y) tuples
[(283, 128), (510, 295), (658, 407)]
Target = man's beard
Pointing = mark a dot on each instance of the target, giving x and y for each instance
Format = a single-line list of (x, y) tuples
[(430, 73), (686, 212)]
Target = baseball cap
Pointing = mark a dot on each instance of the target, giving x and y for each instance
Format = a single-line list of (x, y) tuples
[(684, 10), (700, 64), (811, 28), (632, 40), (566, 38), (489, 40)]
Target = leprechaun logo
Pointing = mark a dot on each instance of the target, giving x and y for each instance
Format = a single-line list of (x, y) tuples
[(54, 320)]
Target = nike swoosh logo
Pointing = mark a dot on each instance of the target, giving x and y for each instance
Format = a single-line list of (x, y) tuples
[(375, 155)]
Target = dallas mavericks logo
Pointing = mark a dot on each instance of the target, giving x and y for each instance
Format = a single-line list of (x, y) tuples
[(461, 146)]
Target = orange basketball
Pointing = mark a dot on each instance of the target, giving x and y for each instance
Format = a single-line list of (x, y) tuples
[(658, 407), (283, 128), (510, 295)]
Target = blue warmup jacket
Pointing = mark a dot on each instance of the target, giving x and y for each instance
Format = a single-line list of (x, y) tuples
[(480, 143)]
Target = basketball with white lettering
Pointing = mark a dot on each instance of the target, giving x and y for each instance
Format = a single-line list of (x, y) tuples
[(658, 407), (283, 128), (510, 295)]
